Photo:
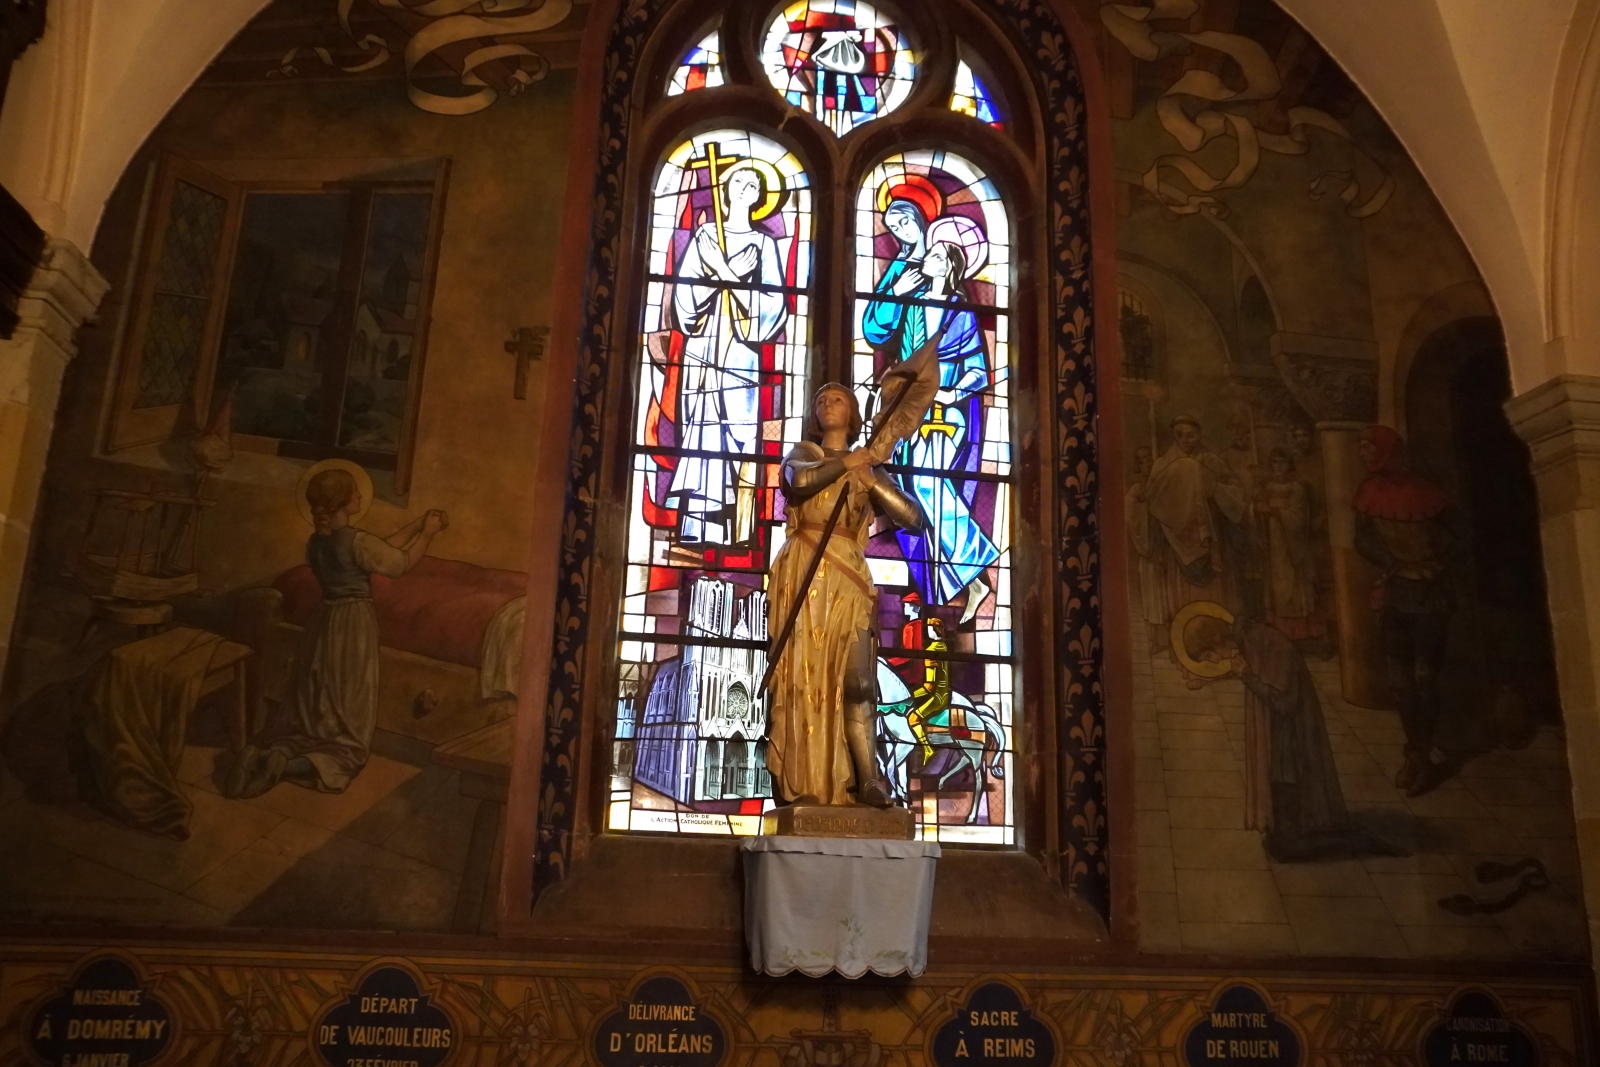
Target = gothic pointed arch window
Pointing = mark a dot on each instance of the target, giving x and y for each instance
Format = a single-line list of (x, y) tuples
[(804, 193)]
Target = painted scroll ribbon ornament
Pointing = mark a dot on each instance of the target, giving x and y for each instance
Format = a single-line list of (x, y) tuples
[(454, 22), (1130, 24)]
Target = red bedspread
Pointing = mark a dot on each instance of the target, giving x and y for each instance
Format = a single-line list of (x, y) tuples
[(440, 608)]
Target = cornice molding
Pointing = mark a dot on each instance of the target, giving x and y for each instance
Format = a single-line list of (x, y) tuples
[(1561, 415), (1560, 421), (61, 296)]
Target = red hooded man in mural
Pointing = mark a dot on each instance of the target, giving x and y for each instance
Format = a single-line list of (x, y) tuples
[(1407, 528)]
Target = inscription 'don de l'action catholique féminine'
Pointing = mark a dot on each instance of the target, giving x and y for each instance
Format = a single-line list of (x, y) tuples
[(829, 820)]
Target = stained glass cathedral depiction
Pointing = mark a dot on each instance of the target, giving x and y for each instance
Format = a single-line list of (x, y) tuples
[(726, 372)]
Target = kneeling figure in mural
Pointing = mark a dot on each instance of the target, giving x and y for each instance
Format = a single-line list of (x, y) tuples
[(1291, 784)]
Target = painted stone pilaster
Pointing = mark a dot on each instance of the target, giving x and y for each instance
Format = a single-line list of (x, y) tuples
[(1335, 380), (1560, 421), (61, 296)]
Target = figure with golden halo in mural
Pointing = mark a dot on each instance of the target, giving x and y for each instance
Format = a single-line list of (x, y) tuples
[(822, 675), (321, 733)]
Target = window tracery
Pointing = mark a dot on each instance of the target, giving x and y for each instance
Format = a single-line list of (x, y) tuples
[(842, 61), (971, 96), (701, 67)]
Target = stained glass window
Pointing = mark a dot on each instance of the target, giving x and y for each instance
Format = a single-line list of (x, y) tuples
[(972, 97), (933, 260), (840, 60), (723, 354), (700, 69)]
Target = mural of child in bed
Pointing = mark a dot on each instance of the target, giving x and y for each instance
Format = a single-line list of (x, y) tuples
[(321, 733)]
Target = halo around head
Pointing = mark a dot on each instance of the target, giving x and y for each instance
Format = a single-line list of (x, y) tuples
[(966, 235), (1180, 622), (359, 473), (777, 191), (914, 189)]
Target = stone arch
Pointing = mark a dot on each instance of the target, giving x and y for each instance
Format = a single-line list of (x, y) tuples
[(1573, 220)]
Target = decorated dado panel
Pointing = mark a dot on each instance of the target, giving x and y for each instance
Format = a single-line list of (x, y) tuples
[(78, 1005)]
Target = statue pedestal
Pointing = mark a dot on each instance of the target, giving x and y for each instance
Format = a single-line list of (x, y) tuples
[(840, 820), (852, 905)]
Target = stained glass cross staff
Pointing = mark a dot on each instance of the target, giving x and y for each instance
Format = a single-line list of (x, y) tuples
[(716, 168)]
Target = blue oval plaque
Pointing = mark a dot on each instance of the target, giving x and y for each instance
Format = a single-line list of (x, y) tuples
[(1474, 1029), (993, 1029), (104, 1016), (387, 1019), (659, 1025), (1241, 1030)]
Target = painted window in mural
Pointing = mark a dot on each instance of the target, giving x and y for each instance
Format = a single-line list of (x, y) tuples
[(183, 294), (724, 356), (932, 261), (175, 304), (700, 69), (842, 61), (972, 97), (323, 332)]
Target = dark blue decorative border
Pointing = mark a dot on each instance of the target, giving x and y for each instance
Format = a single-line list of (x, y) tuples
[(1080, 655), (1081, 736)]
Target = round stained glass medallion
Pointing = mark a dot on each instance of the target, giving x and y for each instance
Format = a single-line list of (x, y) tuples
[(842, 61)]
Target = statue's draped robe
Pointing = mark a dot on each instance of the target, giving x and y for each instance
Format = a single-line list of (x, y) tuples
[(806, 751)]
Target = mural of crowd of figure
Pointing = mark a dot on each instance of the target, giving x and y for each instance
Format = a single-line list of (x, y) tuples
[(1249, 533)]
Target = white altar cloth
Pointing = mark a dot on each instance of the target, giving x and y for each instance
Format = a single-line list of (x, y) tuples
[(820, 904)]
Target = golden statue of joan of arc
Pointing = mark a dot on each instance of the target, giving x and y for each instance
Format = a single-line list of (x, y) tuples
[(822, 666)]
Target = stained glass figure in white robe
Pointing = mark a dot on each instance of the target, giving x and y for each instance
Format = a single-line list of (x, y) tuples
[(740, 307)]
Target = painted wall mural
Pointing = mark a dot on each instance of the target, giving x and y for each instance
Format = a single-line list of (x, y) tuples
[(1348, 736), (266, 674)]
